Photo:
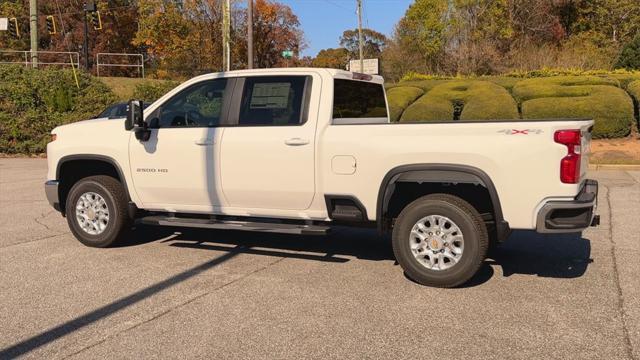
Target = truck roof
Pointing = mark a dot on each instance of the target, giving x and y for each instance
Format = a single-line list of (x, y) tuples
[(335, 73)]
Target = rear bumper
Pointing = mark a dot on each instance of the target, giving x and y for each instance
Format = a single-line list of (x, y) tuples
[(570, 216), (51, 190)]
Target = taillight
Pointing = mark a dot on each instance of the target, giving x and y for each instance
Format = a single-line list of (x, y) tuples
[(570, 164)]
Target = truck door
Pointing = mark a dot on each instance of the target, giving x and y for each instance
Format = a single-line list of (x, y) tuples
[(176, 169), (268, 152)]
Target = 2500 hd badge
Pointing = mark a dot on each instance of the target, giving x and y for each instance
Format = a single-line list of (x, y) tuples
[(152, 170)]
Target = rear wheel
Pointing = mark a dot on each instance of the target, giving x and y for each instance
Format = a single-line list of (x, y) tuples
[(440, 240), (96, 210)]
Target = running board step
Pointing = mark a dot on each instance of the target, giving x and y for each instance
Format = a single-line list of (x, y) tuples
[(281, 228)]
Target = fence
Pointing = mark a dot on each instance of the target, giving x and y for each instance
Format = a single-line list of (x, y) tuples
[(45, 58), (124, 56)]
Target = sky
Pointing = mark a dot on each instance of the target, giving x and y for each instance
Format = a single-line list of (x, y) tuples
[(323, 21)]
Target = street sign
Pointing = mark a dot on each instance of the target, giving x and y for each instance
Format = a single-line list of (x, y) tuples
[(4, 24), (371, 66), (287, 54)]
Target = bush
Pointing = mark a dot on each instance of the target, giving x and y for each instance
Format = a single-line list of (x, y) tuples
[(463, 100), (399, 98), (151, 91), (34, 101), (598, 98), (630, 56)]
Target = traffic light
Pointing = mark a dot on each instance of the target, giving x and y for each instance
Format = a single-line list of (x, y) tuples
[(96, 20), (51, 25), (14, 31)]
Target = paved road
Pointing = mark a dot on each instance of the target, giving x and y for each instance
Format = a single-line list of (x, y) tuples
[(198, 294)]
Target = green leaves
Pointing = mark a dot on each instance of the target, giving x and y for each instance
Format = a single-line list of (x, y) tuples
[(630, 56), (33, 102)]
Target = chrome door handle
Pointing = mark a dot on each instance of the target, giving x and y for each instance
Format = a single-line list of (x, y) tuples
[(204, 142), (296, 142)]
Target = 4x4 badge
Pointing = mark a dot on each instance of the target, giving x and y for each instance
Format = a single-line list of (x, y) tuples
[(521, 132)]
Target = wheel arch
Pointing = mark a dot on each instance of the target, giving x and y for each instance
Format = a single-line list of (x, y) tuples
[(437, 174), (108, 166)]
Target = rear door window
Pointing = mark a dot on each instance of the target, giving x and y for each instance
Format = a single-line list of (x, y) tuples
[(274, 101), (359, 100)]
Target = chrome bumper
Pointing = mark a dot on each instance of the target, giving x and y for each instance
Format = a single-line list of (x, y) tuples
[(51, 190), (570, 216)]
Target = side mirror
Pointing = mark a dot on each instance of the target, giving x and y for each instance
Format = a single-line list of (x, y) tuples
[(135, 116), (135, 121)]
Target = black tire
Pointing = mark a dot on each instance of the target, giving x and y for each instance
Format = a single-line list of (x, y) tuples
[(115, 198), (476, 240)]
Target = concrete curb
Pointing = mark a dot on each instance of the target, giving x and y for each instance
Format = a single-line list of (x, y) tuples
[(614, 167)]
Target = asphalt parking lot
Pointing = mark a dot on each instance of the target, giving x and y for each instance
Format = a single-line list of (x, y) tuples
[(207, 294)]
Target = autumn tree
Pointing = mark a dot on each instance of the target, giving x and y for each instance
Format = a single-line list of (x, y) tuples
[(119, 20), (276, 29)]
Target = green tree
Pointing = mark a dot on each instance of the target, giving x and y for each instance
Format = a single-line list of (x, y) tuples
[(373, 43), (617, 20), (331, 58), (423, 31), (630, 56)]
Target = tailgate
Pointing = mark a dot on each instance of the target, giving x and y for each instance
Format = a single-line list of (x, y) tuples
[(585, 148)]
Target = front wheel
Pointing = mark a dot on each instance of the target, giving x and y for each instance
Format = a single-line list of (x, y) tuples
[(440, 240), (96, 210)]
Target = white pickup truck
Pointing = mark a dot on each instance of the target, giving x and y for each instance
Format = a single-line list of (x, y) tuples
[(300, 150)]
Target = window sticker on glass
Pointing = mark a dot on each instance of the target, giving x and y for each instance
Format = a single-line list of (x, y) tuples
[(270, 96)]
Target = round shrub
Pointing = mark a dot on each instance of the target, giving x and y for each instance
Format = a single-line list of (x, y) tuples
[(591, 97), (463, 100), (401, 97)]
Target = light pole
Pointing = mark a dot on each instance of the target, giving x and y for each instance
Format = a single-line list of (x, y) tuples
[(33, 26), (226, 30), (360, 40), (250, 34)]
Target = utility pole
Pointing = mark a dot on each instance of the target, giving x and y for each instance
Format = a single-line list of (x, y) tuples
[(33, 26), (85, 44), (360, 40), (250, 34), (226, 34)]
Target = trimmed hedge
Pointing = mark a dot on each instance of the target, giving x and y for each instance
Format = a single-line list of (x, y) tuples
[(399, 98), (34, 101), (425, 85), (506, 82), (463, 100), (634, 89), (599, 98)]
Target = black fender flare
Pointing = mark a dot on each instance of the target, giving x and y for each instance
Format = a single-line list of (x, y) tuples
[(438, 173), (103, 158)]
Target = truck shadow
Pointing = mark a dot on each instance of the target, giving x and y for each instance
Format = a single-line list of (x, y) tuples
[(554, 256), (525, 252)]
